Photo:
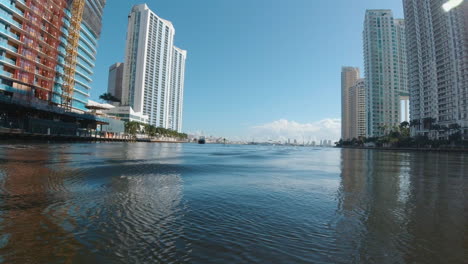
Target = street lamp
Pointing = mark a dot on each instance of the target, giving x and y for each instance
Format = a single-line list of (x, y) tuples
[(451, 4)]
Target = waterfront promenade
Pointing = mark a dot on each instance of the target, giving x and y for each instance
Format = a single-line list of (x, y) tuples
[(19, 135)]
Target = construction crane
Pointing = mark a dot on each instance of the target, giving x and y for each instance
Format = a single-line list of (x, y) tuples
[(73, 40)]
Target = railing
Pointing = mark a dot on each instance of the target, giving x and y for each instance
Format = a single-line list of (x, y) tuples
[(88, 51), (5, 73), (3, 58), (8, 33), (83, 77), (9, 47), (9, 19), (12, 7)]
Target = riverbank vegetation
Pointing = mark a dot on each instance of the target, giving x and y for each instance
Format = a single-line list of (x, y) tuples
[(135, 128), (399, 137)]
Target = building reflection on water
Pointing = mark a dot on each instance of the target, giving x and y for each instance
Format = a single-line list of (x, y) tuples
[(91, 205), (107, 203), (398, 207), (28, 233)]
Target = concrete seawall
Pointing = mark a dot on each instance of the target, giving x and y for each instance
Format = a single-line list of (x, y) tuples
[(458, 150), (20, 135)]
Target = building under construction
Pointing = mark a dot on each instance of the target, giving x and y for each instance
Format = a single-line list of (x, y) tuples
[(47, 55), (48, 49)]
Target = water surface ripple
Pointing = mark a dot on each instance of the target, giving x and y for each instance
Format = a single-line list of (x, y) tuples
[(171, 203)]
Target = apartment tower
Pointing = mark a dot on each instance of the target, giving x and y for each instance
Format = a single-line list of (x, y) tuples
[(349, 76), (33, 40), (176, 97), (357, 110), (385, 70), (437, 43), (151, 61), (114, 83)]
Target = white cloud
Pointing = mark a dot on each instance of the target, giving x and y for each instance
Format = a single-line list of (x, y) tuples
[(284, 129)]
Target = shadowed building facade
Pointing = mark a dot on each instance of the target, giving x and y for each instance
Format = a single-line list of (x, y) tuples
[(438, 65)]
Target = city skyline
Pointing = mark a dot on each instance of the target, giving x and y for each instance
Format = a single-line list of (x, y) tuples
[(384, 44), (210, 106)]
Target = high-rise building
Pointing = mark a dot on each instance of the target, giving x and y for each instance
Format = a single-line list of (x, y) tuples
[(349, 76), (357, 110), (148, 71), (405, 108), (438, 65), (176, 97), (385, 70), (33, 49), (114, 84)]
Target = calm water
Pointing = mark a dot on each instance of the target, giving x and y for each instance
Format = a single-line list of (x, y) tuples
[(152, 203)]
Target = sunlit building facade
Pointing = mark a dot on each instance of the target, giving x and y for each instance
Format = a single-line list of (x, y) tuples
[(153, 68), (349, 77), (385, 70), (176, 97), (33, 40)]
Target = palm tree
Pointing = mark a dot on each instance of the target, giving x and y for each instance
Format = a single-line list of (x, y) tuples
[(132, 127), (109, 98)]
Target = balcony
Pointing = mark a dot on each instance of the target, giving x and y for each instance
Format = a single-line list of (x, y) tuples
[(8, 47), (7, 60), (6, 74), (11, 7), (7, 33), (7, 18)]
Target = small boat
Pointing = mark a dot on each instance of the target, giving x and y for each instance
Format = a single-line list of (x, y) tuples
[(201, 140)]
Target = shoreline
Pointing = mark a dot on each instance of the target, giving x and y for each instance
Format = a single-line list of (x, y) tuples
[(454, 150), (17, 136)]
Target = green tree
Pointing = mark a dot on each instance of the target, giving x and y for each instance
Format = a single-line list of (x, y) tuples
[(404, 124), (109, 98), (132, 127)]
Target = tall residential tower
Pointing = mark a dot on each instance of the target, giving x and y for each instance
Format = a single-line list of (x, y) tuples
[(357, 110), (385, 70), (438, 65), (33, 41), (349, 76), (154, 69), (176, 97), (114, 84)]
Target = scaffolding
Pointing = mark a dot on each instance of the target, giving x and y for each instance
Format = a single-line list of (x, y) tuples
[(77, 10)]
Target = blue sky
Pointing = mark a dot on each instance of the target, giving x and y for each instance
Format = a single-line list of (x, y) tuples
[(254, 65)]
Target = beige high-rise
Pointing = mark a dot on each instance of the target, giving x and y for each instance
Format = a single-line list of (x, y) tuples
[(349, 77), (357, 110)]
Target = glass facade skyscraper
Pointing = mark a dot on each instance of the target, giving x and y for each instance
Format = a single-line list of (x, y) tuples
[(385, 70), (33, 40)]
